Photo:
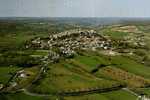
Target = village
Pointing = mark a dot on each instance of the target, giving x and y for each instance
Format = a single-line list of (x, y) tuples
[(68, 42)]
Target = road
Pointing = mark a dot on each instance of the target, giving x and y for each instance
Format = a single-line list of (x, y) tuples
[(74, 92), (135, 94), (35, 94)]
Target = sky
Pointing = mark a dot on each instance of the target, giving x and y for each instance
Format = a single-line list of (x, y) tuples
[(74, 8)]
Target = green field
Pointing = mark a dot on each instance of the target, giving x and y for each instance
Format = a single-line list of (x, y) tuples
[(22, 96), (89, 60), (131, 66), (6, 73), (124, 63), (66, 77), (119, 95), (114, 34), (87, 97), (143, 91), (18, 96), (114, 95)]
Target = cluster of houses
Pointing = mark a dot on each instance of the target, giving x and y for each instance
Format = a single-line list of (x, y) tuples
[(1, 86), (143, 98), (69, 41), (53, 56)]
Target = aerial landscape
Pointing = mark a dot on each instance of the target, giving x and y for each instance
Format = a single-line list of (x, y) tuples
[(74, 58), (77, 61)]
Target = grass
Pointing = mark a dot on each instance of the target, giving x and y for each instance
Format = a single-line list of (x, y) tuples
[(31, 74), (113, 95), (119, 95), (130, 79), (6, 73), (41, 52), (16, 41), (89, 61), (131, 66), (22, 96), (13, 42), (62, 78), (114, 34), (145, 91), (87, 97)]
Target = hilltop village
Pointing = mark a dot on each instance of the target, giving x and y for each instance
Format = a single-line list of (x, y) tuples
[(68, 42)]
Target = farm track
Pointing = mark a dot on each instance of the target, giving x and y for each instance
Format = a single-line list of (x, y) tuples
[(128, 90), (75, 92)]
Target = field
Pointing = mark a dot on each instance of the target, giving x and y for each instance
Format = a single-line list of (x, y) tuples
[(19, 96), (131, 66), (114, 95), (64, 77), (131, 80), (6, 73)]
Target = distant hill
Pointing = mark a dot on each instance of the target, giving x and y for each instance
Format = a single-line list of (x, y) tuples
[(79, 20)]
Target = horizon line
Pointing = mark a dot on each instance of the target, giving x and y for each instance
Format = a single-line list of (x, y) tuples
[(64, 17)]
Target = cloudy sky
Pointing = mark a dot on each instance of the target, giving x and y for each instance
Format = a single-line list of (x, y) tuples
[(75, 8)]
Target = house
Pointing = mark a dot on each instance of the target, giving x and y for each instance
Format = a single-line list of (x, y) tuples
[(144, 97), (1, 86), (22, 75)]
